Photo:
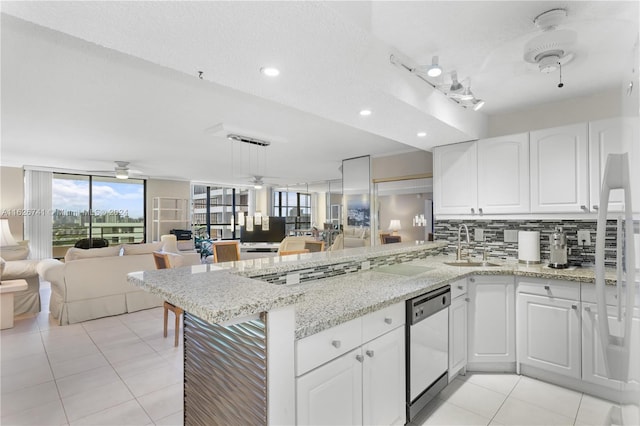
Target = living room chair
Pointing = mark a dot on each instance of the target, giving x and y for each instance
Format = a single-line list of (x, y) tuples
[(226, 251), (162, 262), (314, 246), (388, 239)]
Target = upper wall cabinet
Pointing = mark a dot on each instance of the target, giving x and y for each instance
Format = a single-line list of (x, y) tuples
[(559, 172), (503, 174), (454, 178), (614, 135)]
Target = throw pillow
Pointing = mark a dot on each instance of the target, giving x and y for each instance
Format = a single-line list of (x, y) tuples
[(76, 253), (17, 252), (145, 248)]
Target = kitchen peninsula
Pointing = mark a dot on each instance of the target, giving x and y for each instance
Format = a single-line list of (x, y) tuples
[(249, 338)]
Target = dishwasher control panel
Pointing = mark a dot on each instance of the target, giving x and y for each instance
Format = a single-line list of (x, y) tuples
[(428, 304)]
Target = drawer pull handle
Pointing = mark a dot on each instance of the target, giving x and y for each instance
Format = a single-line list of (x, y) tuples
[(460, 287), (480, 210), (473, 211), (587, 309), (584, 208), (595, 207), (466, 299), (336, 344), (388, 320), (473, 280), (574, 307), (360, 358), (369, 353), (546, 287)]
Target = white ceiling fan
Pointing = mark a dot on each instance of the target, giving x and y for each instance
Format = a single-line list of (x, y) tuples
[(120, 171)]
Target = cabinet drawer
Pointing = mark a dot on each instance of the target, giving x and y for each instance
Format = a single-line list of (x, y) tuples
[(611, 294), (383, 320), (321, 347), (550, 288), (458, 288)]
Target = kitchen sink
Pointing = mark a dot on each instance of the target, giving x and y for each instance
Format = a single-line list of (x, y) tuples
[(468, 263)]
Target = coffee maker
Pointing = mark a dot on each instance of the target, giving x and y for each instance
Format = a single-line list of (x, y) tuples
[(558, 249)]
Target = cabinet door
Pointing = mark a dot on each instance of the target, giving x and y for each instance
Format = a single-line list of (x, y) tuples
[(455, 178), (491, 320), (383, 380), (548, 332), (593, 369), (331, 394), (614, 135), (457, 335), (559, 169), (503, 174)]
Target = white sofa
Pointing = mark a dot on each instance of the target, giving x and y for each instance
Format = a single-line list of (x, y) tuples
[(14, 265), (92, 283)]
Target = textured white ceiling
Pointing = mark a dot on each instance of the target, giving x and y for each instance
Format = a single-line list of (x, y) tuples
[(118, 80)]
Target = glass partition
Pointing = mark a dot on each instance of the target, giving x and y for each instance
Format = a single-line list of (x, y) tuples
[(404, 208), (356, 196)]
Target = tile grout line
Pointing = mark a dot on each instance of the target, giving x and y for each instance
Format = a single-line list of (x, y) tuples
[(575, 420), (505, 400)]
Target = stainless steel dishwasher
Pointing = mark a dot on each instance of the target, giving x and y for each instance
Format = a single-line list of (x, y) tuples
[(427, 351)]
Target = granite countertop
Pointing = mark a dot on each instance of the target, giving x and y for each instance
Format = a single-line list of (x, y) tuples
[(332, 301), (219, 293), (214, 294)]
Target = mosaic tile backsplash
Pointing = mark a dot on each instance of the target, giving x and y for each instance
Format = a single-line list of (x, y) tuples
[(498, 249)]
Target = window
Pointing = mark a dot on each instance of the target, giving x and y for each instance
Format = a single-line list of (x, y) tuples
[(218, 218), (295, 206), (96, 207)]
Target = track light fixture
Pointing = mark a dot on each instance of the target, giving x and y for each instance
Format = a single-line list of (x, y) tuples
[(434, 70), (455, 92), (455, 84)]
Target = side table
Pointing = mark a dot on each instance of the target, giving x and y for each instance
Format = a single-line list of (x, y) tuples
[(7, 288)]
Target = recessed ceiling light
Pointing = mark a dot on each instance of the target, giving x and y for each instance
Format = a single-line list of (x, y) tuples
[(421, 134), (270, 71), (365, 112)]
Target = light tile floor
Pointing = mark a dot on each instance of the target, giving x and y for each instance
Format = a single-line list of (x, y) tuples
[(509, 399), (111, 371), (121, 371)]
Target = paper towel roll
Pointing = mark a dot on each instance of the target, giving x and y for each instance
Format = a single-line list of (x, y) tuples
[(529, 246)]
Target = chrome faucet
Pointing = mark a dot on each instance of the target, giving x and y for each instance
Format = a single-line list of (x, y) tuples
[(459, 253)]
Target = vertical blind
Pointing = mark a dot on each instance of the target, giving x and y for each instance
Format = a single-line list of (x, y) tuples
[(38, 225)]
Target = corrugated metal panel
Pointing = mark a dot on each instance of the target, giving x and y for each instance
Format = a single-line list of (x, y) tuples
[(225, 373)]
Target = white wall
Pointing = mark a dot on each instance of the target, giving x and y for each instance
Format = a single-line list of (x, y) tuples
[(164, 188), (407, 164), (12, 198), (606, 104)]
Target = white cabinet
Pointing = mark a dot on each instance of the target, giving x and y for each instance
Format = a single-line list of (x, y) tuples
[(383, 380), (503, 174), (455, 178), (559, 169), (613, 135), (458, 328), (593, 368), (549, 334), (491, 322), (338, 384), (331, 394)]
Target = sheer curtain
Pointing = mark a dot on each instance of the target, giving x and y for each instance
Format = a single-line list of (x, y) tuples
[(38, 203)]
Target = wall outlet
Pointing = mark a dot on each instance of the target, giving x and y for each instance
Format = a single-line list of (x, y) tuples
[(478, 234), (366, 265), (584, 238), (293, 278)]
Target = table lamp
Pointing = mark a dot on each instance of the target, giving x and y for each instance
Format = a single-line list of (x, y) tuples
[(394, 226)]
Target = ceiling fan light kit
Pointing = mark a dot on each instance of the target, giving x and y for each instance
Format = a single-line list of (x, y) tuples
[(122, 171)]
